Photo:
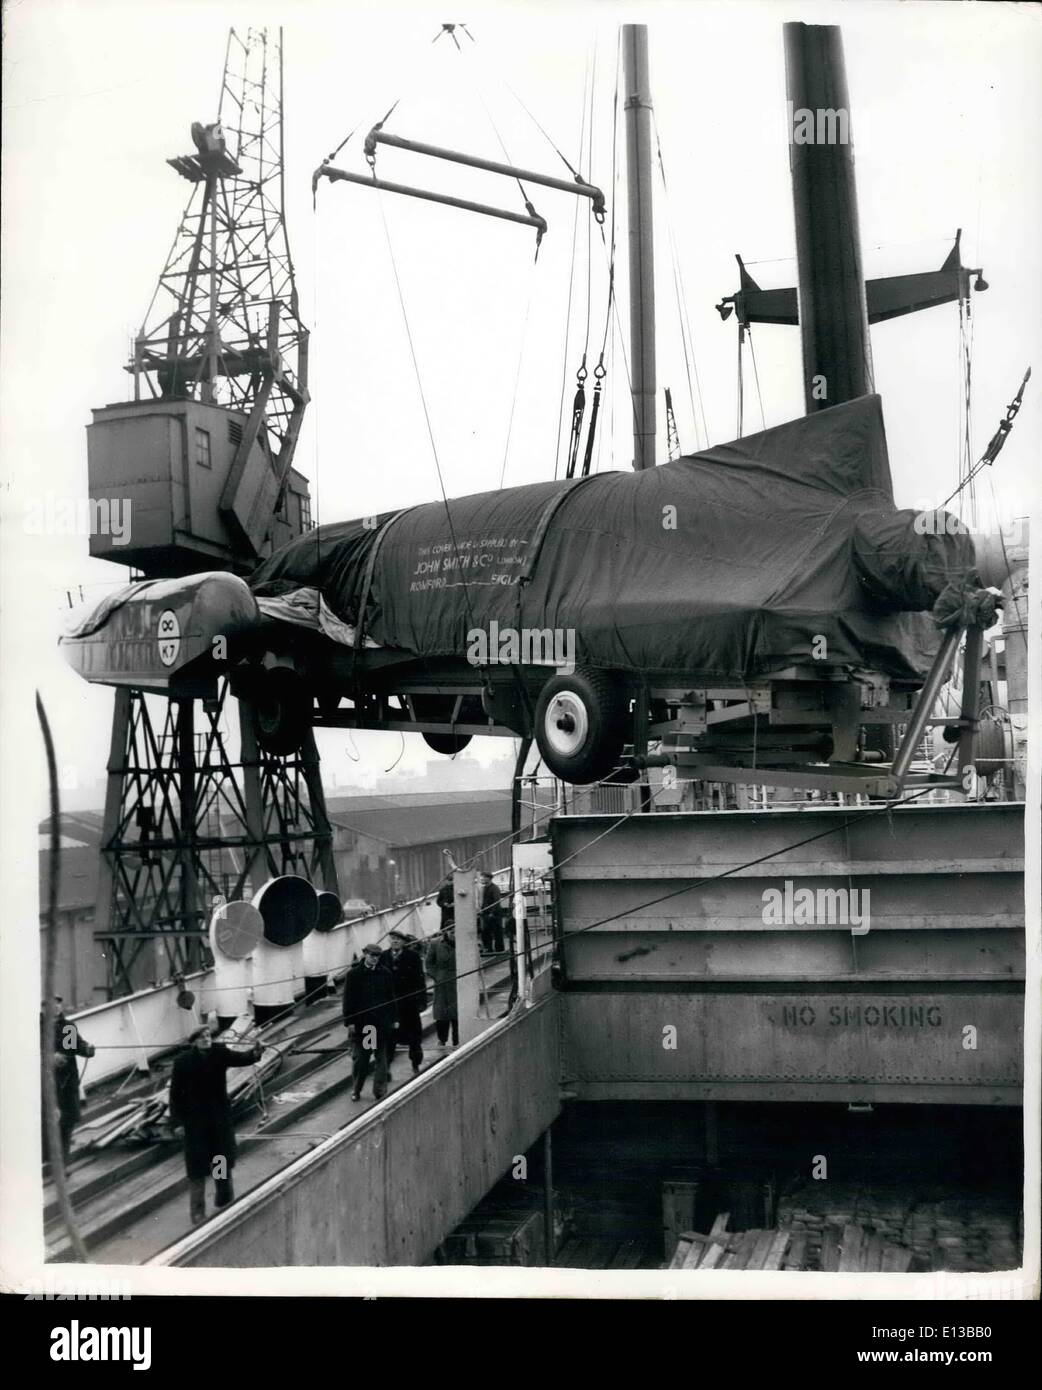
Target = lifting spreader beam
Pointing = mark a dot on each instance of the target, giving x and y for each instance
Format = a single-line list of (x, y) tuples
[(585, 190), (335, 175)]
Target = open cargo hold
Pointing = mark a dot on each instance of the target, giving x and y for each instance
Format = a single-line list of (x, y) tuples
[(731, 563)]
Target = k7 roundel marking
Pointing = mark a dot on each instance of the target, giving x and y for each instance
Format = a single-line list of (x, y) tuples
[(168, 635)]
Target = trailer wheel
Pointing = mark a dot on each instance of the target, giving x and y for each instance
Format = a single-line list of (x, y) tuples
[(580, 725), (282, 710)]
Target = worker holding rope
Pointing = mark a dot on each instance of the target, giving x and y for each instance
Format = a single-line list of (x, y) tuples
[(67, 1046), (200, 1109)]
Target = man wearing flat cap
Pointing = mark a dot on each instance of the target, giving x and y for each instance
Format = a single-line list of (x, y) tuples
[(369, 1012), (199, 1105), (410, 996)]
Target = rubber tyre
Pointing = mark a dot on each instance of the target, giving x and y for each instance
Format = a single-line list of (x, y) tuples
[(282, 711), (580, 725)]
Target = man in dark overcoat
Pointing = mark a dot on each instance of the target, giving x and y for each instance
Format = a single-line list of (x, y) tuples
[(446, 901), (491, 916), (68, 1045), (369, 1012), (199, 1105), (410, 996), (441, 967)]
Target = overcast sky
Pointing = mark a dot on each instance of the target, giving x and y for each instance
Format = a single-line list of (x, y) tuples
[(947, 106)]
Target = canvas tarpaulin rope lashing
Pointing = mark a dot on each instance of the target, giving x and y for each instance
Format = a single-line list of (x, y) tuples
[(964, 604), (733, 562)]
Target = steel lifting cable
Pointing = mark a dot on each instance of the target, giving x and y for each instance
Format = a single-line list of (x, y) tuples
[(529, 207), (517, 373), (599, 373), (579, 399), (531, 281), (997, 441), (578, 415), (966, 474), (349, 136), (756, 374), (578, 405), (589, 162), (426, 413), (690, 362), (567, 340), (538, 124)]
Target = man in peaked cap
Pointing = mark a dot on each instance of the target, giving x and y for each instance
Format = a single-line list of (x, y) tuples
[(200, 1107), (369, 1013), (410, 996)]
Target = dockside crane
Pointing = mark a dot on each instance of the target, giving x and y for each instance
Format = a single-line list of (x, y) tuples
[(204, 455)]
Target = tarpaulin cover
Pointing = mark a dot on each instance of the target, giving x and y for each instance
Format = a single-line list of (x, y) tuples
[(730, 563)]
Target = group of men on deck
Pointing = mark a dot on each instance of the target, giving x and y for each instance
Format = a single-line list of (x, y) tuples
[(386, 991)]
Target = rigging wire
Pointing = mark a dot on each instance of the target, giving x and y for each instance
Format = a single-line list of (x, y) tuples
[(997, 441), (579, 399), (538, 124), (568, 308), (531, 281), (966, 450), (517, 372), (756, 374), (686, 336), (589, 212), (499, 140), (426, 413), (567, 341)]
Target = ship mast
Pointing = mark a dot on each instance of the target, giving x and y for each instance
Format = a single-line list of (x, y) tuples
[(833, 313), (641, 241)]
